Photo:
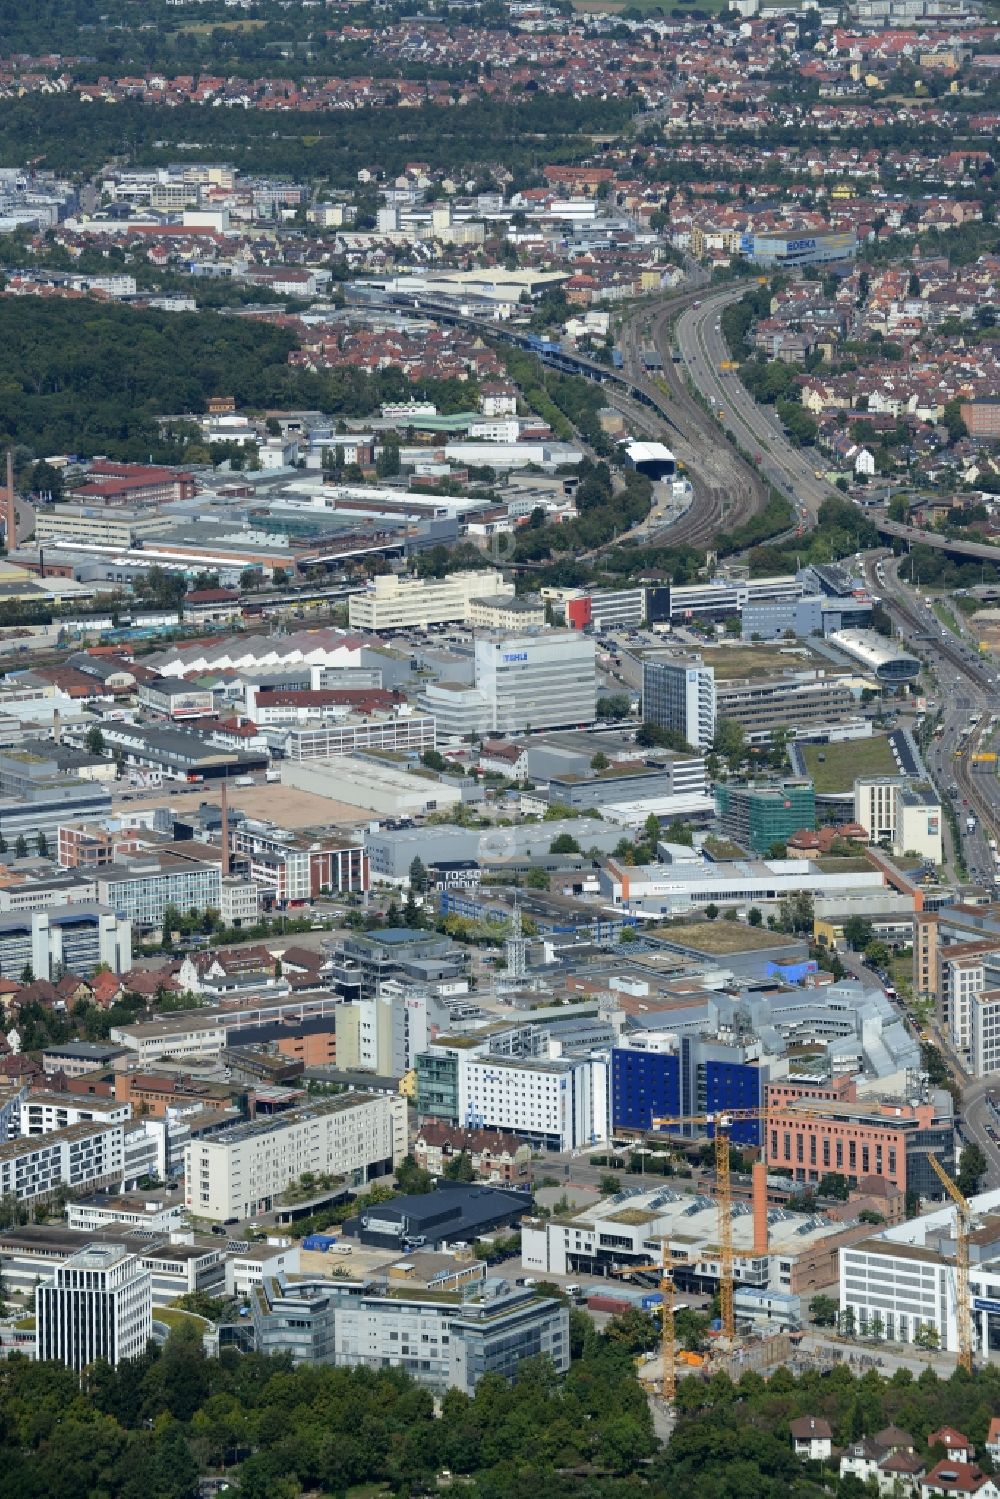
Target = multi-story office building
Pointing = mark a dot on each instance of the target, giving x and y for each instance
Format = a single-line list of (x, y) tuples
[(141, 888), (670, 776), (43, 810), (392, 602), (502, 612), (98, 1305), (375, 731), (694, 1076), (72, 939), (680, 695), (357, 1135), (443, 1339), (384, 1032), (99, 526), (298, 866), (536, 680), (813, 615), (794, 700), (721, 598), (205, 1032), (365, 961), (857, 1138), (757, 817), (560, 1103), (608, 609), (81, 1156), (895, 811), (904, 1279)]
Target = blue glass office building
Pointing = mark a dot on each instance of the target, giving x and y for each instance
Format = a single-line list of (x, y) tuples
[(646, 1084), (643, 1084)]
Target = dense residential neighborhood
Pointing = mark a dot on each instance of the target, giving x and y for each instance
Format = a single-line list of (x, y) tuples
[(499, 733)]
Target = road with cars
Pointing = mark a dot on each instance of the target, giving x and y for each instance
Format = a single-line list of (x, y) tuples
[(966, 708), (757, 429)]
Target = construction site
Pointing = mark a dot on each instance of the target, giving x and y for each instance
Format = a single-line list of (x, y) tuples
[(763, 1262)]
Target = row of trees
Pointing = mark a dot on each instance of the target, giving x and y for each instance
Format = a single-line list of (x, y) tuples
[(149, 1429)]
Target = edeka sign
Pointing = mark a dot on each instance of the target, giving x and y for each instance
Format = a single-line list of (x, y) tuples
[(800, 244), (515, 656)]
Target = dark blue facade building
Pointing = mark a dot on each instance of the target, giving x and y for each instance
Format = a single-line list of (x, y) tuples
[(643, 1084), (734, 1085)]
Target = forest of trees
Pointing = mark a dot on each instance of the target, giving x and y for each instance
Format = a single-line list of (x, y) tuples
[(149, 1429), (75, 137), (65, 388)]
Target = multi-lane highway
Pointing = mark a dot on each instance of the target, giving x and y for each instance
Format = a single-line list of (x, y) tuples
[(964, 701), (757, 429)]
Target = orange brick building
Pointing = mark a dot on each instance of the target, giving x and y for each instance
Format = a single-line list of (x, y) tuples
[(811, 1136)]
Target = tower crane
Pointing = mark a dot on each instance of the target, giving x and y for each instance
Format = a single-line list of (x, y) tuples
[(963, 1225), (722, 1121), (668, 1351)]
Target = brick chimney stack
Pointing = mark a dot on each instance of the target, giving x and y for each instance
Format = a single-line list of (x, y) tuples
[(760, 1226)]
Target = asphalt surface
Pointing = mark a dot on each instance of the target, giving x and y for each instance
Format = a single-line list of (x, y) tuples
[(757, 428), (966, 696)]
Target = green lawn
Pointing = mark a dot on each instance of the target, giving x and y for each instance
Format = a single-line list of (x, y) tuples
[(833, 767), (175, 1316), (717, 937), (946, 617)]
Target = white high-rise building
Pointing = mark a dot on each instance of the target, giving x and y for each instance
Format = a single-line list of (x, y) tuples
[(99, 1304), (537, 680), (680, 695)]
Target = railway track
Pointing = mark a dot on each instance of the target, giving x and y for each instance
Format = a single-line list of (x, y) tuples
[(727, 491)]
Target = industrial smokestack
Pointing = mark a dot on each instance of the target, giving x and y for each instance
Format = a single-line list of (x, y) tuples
[(56, 727), (759, 1178)]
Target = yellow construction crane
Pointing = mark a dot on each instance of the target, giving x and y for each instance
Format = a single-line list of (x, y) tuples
[(722, 1123), (668, 1353), (963, 1302)]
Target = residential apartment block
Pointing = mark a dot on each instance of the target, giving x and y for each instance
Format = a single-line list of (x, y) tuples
[(358, 1136), (81, 1156)]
